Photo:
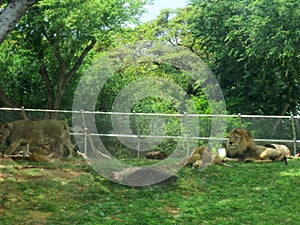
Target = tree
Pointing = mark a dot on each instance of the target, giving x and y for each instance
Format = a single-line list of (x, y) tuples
[(273, 45), (60, 35), (12, 13), (9, 17), (19, 78), (254, 52)]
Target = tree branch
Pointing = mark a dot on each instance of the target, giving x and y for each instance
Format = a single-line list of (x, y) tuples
[(49, 90), (6, 100), (80, 59), (61, 61), (66, 77), (11, 15)]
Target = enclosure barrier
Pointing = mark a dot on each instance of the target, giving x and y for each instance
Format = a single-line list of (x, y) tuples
[(139, 136)]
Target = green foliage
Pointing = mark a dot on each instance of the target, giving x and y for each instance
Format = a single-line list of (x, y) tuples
[(18, 75), (253, 49), (252, 46), (57, 40), (153, 79)]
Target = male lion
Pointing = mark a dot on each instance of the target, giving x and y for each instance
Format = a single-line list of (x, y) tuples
[(240, 147)]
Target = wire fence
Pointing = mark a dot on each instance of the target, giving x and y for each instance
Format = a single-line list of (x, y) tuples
[(149, 131)]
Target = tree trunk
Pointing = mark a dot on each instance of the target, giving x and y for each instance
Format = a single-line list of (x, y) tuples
[(11, 15), (65, 76), (277, 123)]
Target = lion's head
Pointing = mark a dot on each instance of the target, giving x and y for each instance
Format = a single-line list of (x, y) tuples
[(238, 143), (4, 132)]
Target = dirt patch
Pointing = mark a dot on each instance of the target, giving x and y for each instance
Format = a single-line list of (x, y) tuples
[(3, 177), (173, 211), (29, 173), (65, 174), (38, 218), (24, 171), (4, 160)]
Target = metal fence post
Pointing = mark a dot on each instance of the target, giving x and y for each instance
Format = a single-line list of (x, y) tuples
[(294, 134), (85, 140), (24, 113), (138, 134), (187, 134), (240, 119), (85, 131)]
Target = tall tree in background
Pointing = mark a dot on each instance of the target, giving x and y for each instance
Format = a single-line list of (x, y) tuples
[(273, 52), (254, 50), (55, 38), (252, 46)]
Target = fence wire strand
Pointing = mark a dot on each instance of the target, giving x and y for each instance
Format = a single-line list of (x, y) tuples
[(242, 120)]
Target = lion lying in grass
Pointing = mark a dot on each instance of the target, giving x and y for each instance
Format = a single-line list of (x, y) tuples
[(43, 154), (203, 155), (240, 147), (156, 155)]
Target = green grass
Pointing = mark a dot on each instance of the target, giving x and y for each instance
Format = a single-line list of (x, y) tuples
[(71, 193)]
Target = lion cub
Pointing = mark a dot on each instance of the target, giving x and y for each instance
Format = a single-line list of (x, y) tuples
[(43, 154), (156, 155), (204, 156)]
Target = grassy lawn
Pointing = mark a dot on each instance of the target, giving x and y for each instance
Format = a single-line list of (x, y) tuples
[(71, 193)]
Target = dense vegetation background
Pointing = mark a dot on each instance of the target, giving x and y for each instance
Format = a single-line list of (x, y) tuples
[(251, 46)]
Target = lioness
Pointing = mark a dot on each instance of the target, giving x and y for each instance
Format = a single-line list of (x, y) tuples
[(44, 132), (240, 147)]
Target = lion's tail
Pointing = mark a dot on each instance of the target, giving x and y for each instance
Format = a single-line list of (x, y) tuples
[(285, 160)]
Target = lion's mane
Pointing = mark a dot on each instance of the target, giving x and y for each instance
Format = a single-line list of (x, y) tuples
[(240, 140)]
